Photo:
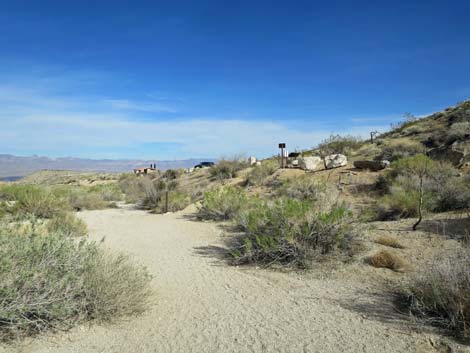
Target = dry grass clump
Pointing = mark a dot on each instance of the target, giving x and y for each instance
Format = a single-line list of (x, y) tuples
[(440, 294), (392, 242), (386, 259), (53, 281)]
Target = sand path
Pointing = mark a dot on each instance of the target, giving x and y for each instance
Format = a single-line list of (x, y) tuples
[(203, 305)]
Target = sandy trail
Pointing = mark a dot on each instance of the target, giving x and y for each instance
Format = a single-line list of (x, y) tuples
[(203, 305)]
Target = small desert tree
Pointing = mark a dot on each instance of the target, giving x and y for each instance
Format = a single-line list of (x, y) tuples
[(418, 170)]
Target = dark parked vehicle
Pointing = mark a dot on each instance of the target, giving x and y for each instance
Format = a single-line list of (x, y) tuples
[(204, 165)]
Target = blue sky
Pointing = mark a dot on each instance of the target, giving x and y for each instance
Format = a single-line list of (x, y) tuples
[(180, 79)]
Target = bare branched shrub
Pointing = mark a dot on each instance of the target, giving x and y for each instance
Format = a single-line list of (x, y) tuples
[(439, 294)]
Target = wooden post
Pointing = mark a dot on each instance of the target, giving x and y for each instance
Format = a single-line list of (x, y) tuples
[(166, 201)]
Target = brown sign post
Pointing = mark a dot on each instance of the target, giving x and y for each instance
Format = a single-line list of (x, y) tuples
[(282, 146)]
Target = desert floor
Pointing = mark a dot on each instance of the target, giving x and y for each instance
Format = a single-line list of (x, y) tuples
[(203, 304)]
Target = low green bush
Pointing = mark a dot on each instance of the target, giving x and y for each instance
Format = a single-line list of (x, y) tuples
[(68, 224), (108, 192), (292, 232), (439, 294), (227, 169), (259, 174), (222, 203), (177, 201), (340, 144), (395, 149), (81, 199), (443, 189), (25, 200), (56, 282), (307, 188)]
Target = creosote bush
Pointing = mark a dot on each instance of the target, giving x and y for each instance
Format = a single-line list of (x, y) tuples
[(440, 293), (222, 203), (67, 224), (307, 188), (227, 169), (290, 232), (53, 281), (395, 149), (259, 174), (32, 200), (340, 144)]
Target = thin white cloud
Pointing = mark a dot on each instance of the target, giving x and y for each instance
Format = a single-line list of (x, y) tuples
[(36, 120), (126, 104)]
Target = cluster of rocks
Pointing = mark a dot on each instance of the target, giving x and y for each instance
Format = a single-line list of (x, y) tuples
[(313, 163)]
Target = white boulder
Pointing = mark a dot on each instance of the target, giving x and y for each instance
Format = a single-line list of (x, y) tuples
[(311, 163), (335, 161), (252, 160)]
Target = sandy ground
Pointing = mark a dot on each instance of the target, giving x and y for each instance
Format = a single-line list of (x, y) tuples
[(204, 305)]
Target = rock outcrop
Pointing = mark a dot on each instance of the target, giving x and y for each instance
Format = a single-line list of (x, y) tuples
[(252, 160), (453, 154), (335, 161), (371, 165), (310, 163)]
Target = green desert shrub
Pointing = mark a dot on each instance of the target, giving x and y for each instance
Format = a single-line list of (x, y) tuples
[(24, 200), (108, 192), (395, 149), (290, 232), (443, 189), (340, 144), (439, 294), (177, 200), (307, 188), (222, 203), (56, 282), (171, 174), (82, 199), (68, 224), (227, 169), (259, 174)]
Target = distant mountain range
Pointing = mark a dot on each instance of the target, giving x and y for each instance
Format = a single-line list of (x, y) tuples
[(14, 166)]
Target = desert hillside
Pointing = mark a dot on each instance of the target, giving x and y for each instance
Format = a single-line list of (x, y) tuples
[(355, 243)]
